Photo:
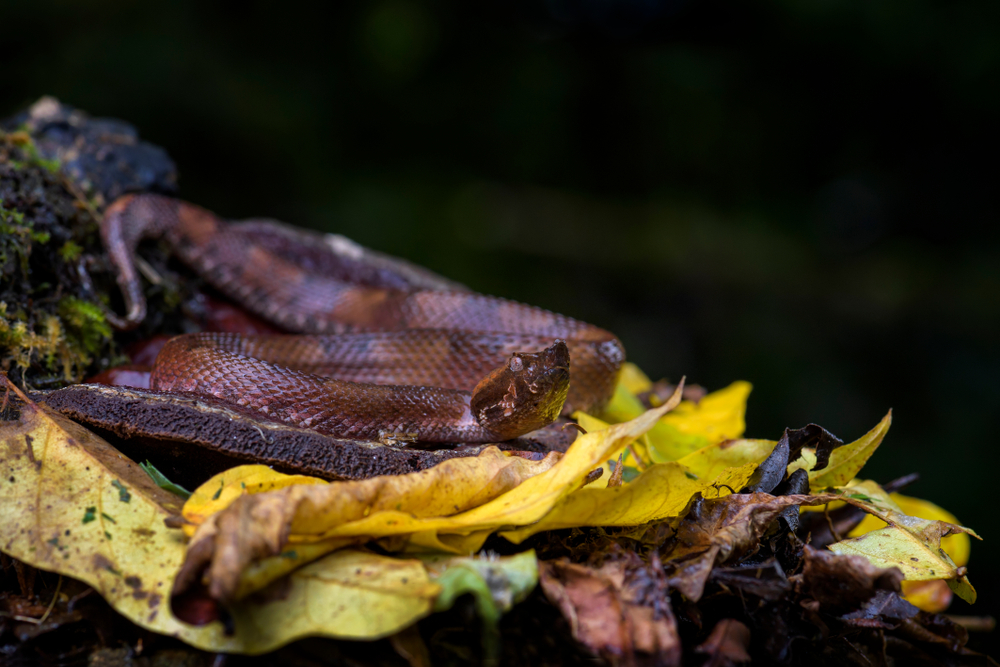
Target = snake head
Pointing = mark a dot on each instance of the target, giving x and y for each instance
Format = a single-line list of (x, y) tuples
[(524, 394)]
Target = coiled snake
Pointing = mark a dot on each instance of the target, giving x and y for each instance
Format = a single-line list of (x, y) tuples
[(390, 350)]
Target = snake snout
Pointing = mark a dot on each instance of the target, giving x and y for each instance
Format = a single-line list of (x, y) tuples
[(525, 394)]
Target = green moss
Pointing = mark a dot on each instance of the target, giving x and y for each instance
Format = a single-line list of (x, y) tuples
[(87, 328), (17, 236), (70, 251), (23, 140)]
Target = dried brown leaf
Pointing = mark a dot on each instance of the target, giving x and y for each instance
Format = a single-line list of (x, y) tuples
[(727, 644), (607, 614)]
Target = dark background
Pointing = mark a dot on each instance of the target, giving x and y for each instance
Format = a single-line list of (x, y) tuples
[(799, 194)]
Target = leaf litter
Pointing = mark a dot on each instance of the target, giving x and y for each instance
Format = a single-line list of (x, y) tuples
[(690, 552)]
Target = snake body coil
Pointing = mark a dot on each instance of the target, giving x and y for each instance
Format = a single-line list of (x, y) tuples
[(391, 348)]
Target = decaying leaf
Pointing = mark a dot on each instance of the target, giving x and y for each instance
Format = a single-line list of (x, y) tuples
[(773, 470), (452, 507), (727, 645), (844, 583), (609, 613), (715, 531)]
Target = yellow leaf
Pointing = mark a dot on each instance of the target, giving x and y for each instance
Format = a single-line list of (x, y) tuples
[(451, 487), (221, 490), (659, 492), (623, 405), (349, 594), (527, 502), (718, 416), (436, 508), (711, 460), (846, 461), (71, 503), (910, 543), (932, 596), (957, 545), (633, 379)]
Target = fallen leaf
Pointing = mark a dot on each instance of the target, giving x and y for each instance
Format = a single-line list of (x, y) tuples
[(714, 531), (71, 504), (914, 546), (327, 597), (718, 416), (251, 512), (957, 545), (606, 613), (845, 462), (452, 507), (932, 596), (661, 491), (496, 584), (842, 583), (709, 461), (726, 645), (632, 379)]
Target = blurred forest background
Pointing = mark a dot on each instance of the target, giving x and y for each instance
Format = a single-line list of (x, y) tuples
[(798, 194)]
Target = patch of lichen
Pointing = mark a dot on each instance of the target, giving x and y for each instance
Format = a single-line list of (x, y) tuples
[(53, 330)]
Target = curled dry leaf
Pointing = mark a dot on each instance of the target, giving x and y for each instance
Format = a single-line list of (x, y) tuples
[(845, 461), (610, 615), (452, 507), (246, 514), (714, 531)]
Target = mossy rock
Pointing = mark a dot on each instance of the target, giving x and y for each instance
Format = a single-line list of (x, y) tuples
[(58, 170)]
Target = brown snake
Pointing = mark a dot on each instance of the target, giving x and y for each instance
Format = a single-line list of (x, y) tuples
[(393, 350)]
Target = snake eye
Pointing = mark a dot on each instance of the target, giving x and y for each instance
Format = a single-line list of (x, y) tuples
[(515, 364)]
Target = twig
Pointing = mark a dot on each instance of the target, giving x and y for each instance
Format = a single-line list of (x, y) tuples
[(829, 522), (974, 623), (52, 604)]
